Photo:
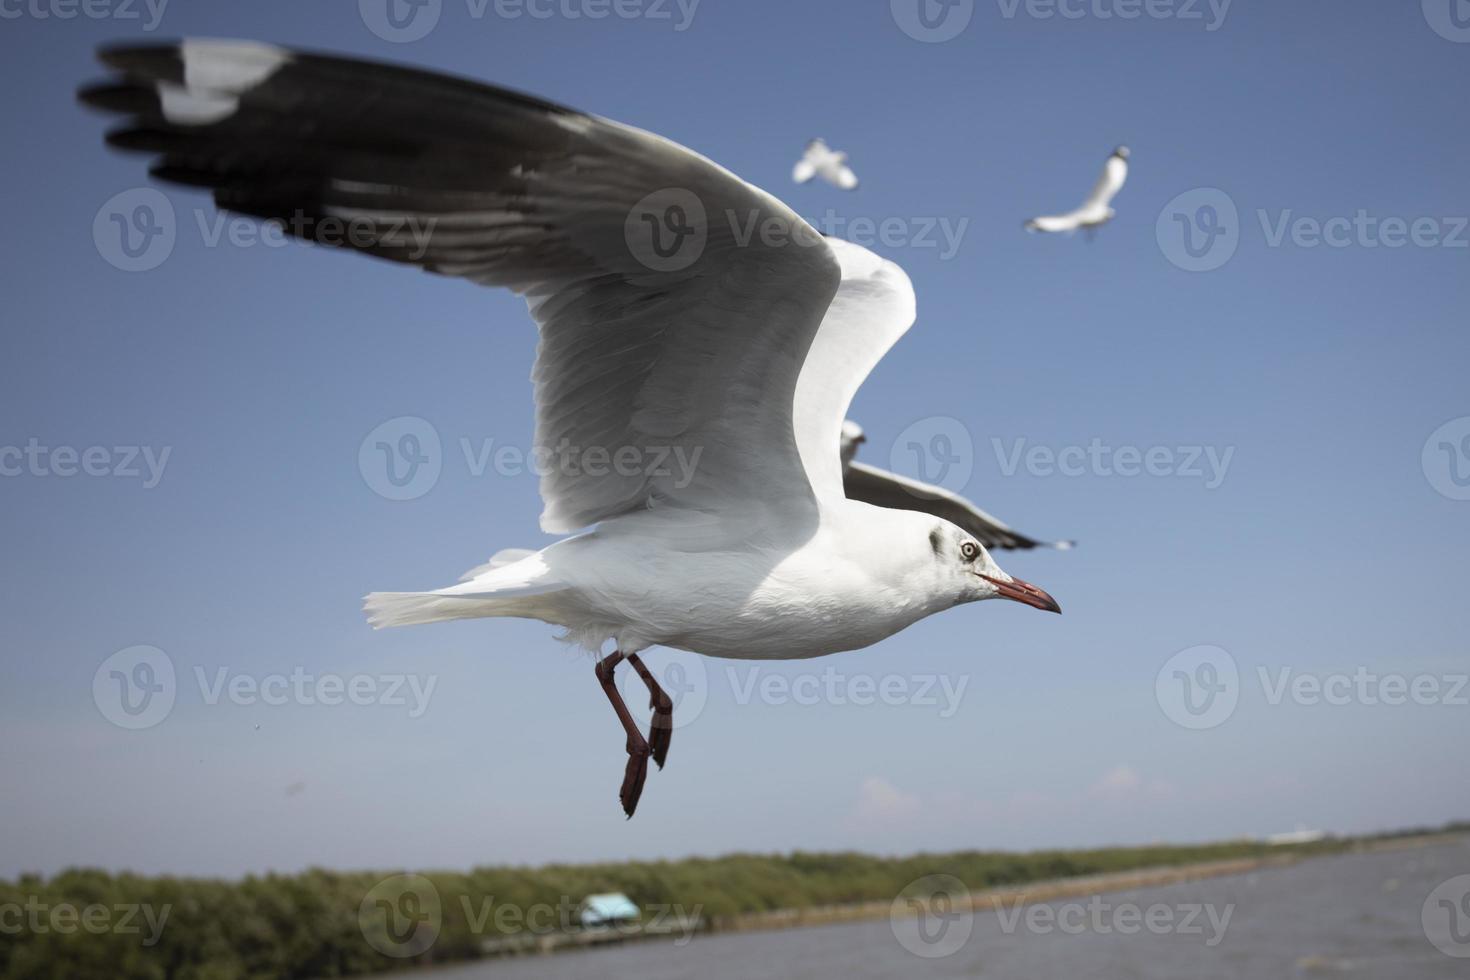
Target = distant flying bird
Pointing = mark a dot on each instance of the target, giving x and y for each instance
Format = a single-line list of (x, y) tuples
[(821, 160), (884, 489), (1096, 211), (738, 357)]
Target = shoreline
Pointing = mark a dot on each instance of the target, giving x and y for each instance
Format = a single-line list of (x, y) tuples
[(1010, 896)]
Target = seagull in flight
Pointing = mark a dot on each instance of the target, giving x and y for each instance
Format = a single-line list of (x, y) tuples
[(662, 330), (821, 160), (884, 489), (1097, 210)]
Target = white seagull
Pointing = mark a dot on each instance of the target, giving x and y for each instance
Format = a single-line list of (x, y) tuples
[(741, 354), (1097, 210), (884, 489), (831, 165)]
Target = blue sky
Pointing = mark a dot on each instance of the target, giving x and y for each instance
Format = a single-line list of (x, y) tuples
[(1332, 548)]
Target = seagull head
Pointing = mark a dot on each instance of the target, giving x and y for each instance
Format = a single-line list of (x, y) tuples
[(966, 568), (1121, 151)]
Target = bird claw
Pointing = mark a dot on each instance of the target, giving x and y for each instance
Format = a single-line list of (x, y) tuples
[(634, 775), (661, 729)]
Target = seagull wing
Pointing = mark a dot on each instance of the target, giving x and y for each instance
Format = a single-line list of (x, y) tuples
[(1055, 222), (641, 352), (884, 489), (804, 171), (874, 306), (1115, 173)]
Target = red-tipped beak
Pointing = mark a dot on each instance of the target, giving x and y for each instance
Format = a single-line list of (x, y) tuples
[(1024, 592)]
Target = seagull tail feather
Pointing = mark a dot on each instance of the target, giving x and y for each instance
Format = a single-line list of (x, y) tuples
[(513, 583)]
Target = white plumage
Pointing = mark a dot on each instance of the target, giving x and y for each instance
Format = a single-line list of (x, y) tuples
[(820, 160), (1097, 210), (743, 355)]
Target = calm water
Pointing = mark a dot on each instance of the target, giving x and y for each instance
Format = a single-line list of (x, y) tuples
[(1353, 916)]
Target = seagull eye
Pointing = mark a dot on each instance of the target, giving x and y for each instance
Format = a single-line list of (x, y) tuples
[(969, 551)]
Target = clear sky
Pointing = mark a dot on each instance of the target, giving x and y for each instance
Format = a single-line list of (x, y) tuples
[(1326, 541)]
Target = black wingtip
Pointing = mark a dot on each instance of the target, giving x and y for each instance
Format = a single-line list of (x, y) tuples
[(118, 97), (158, 59)]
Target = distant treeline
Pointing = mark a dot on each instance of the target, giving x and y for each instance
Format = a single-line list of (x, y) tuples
[(82, 924)]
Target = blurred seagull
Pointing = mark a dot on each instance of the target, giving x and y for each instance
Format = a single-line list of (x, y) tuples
[(1096, 211), (830, 164), (884, 489), (741, 356)]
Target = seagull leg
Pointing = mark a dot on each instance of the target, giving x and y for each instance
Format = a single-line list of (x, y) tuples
[(661, 731), (638, 750)]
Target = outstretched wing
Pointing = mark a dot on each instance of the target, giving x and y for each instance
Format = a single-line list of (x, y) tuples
[(1055, 222), (874, 306), (1115, 173), (884, 489), (664, 328)]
